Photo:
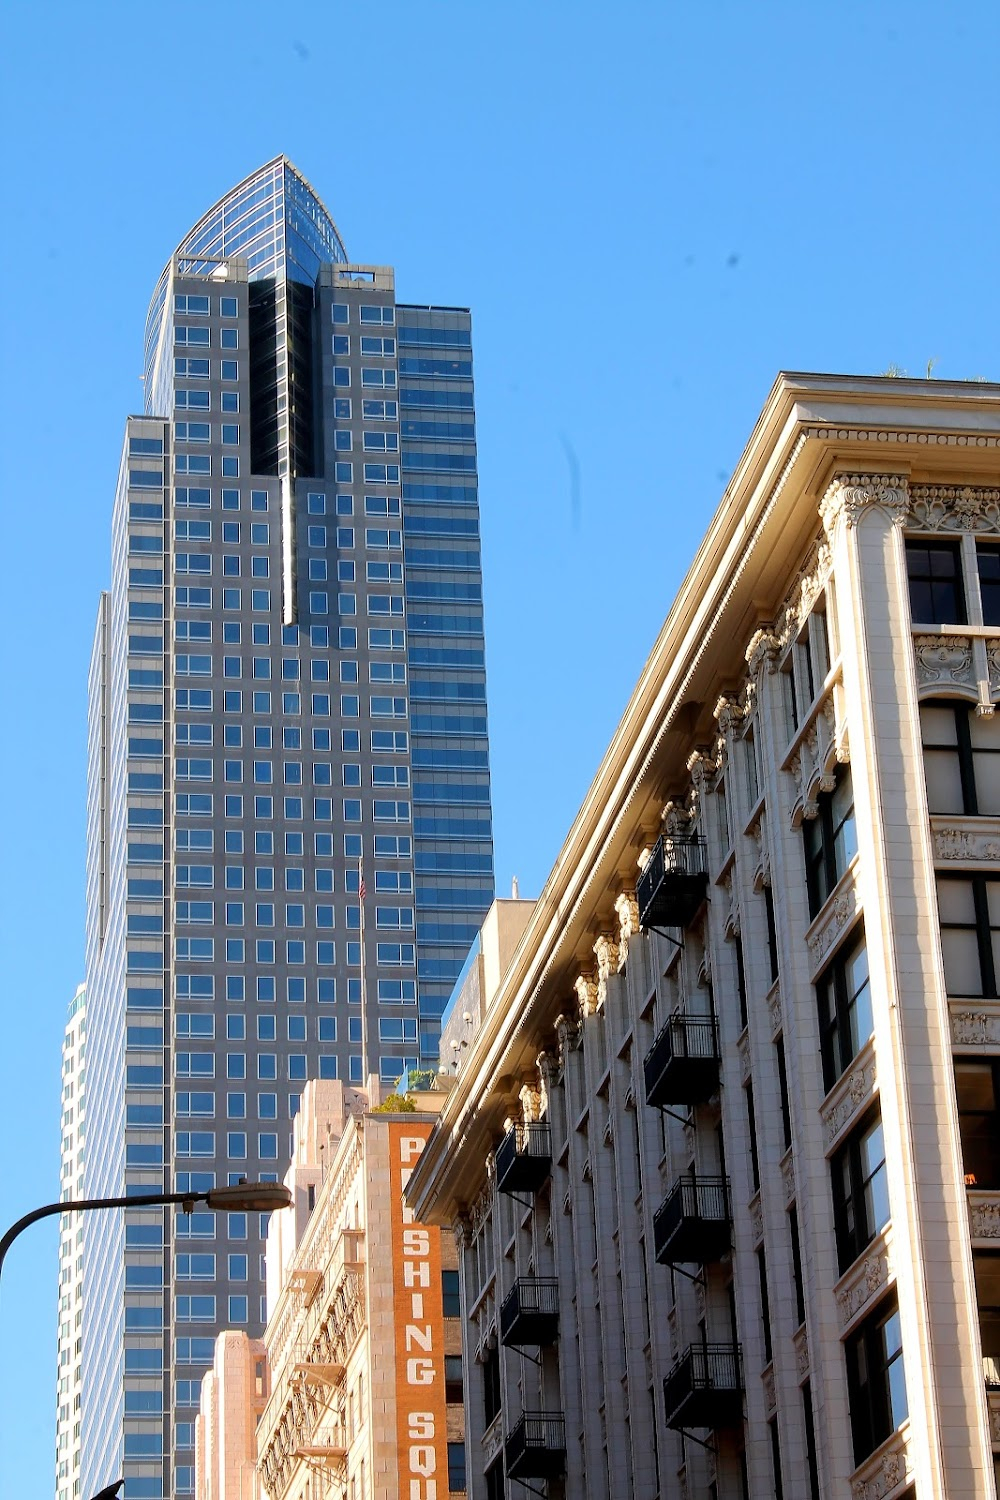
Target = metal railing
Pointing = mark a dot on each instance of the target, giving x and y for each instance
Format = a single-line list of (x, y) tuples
[(533, 1140), (535, 1433), (703, 1369), (692, 1198)]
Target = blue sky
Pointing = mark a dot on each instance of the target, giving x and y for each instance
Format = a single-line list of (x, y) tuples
[(650, 208)]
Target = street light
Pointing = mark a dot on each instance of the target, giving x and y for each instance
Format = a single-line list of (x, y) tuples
[(240, 1197)]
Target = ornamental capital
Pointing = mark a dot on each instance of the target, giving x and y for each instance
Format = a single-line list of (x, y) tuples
[(855, 495)]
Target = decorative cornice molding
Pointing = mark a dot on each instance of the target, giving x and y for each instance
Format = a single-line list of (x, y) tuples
[(851, 496), (952, 507)]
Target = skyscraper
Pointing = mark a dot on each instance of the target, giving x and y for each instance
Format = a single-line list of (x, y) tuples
[(288, 765), (70, 1306)]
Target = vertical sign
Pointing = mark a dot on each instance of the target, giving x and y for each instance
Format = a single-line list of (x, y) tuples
[(421, 1434)]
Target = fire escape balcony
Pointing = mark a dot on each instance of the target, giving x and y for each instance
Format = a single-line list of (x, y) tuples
[(705, 1387), (529, 1314), (673, 884), (535, 1447), (693, 1222), (524, 1158), (682, 1066)]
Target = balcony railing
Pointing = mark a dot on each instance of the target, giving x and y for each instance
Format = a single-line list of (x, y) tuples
[(535, 1447), (672, 886), (524, 1158), (705, 1387), (693, 1223), (529, 1314), (682, 1066)]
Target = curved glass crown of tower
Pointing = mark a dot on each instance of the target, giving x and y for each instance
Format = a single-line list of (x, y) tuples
[(273, 220)]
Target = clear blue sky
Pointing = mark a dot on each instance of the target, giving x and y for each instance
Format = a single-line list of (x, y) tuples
[(650, 207)]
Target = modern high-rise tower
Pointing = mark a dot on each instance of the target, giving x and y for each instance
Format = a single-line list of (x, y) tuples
[(289, 767)]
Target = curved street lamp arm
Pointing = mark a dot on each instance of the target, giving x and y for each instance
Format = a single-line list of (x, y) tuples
[(136, 1200)]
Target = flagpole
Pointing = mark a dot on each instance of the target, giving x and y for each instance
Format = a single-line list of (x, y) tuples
[(364, 992)]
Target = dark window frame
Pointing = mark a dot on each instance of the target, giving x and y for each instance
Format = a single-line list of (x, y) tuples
[(935, 583), (853, 1219), (989, 588), (835, 1020), (980, 1146), (982, 928), (964, 751), (869, 1380), (822, 841)]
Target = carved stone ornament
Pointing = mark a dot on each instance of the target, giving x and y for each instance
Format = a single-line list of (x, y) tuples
[(762, 651), (788, 1176), (984, 1216), (732, 908), (840, 912), (943, 659), (767, 1380), (606, 952), (567, 1037), (976, 1028), (756, 1219), (743, 1048), (531, 1102), (586, 995), (627, 912), (949, 507), (865, 1281), (703, 766), (773, 1001), (993, 663), (850, 1095), (462, 1229), (804, 592), (884, 1473), (676, 819), (852, 496), (994, 1400), (729, 714), (966, 844), (800, 1343)]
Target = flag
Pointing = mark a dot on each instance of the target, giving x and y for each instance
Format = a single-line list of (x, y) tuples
[(362, 891)]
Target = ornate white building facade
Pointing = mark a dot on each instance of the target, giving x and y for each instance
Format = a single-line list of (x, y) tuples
[(723, 1151)]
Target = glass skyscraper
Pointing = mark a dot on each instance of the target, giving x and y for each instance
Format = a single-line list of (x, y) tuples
[(289, 774)]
